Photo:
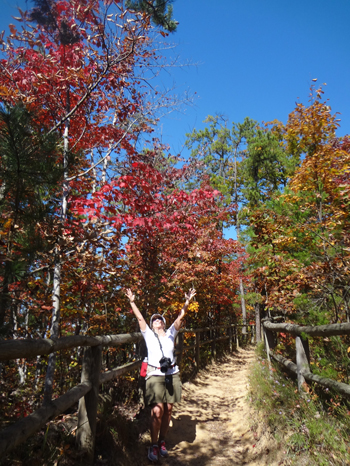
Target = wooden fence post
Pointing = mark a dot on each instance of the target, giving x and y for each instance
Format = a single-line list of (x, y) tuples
[(253, 334), (258, 323), (303, 359), (87, 412), (269, 344), (197, 349)]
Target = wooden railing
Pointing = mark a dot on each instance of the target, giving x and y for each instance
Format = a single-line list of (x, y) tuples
[(212, 336), (302, 366), (87, 392)]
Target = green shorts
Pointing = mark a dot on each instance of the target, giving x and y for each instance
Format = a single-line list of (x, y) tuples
[(163, 389)]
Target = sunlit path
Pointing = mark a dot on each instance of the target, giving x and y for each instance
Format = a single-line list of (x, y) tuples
[(211, 426)]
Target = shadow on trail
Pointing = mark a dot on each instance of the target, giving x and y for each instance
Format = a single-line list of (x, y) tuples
[(212, 424), (183, 429), (201, 431)]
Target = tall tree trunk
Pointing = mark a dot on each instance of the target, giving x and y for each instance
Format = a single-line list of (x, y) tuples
[(346, 304), (56, 289), (106, 159), (21, 363), (238, 234), (4, 294), (244, 311), (4, 291), (54, 332)]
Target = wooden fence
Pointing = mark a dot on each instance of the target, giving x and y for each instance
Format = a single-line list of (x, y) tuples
[(212, 336), (302, 366), (87, 392)]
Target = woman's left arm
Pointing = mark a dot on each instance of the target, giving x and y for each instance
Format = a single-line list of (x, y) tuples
[(188, 296)]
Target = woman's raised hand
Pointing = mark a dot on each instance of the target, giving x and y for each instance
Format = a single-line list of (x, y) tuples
[(191, 293), (130, 295)]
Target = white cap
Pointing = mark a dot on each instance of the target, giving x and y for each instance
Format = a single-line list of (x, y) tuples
[(157, 315)]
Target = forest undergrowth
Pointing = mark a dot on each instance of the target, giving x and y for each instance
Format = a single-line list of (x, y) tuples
[(312, 428)]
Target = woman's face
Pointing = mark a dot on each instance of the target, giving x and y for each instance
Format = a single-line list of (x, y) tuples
[(157, 323)]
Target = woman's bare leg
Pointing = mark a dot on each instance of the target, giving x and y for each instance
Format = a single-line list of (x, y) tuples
[(168, 407), (157, 415)]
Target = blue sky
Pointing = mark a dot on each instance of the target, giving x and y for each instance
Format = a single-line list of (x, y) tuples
[(254, 58), (257, 58)]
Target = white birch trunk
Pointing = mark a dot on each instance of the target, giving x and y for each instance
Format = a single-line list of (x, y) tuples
[(21, 363), (93, 172), (56, 291)]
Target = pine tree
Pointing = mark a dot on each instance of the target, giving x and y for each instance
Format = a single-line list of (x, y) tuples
[(30, 170), (161, 12)]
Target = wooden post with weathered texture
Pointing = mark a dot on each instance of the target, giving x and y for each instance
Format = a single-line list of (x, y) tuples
[(197, 349), (269, 344), (87, 412), (253, 334), (303, 359), (258, 323)]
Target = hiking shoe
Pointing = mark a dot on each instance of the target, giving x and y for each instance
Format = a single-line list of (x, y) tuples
[(162, 449), (153, 453)]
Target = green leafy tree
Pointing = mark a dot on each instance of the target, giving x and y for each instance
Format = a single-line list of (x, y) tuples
[(266, 167), (219, 151), (264, 170)]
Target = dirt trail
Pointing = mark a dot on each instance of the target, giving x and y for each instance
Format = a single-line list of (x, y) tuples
[(211, 426)]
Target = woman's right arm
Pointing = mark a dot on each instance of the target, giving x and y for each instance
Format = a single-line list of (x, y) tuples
[(135, 310)]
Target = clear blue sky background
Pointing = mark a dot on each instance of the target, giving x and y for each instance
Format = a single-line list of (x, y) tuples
[(257, 58), (254, 58)]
